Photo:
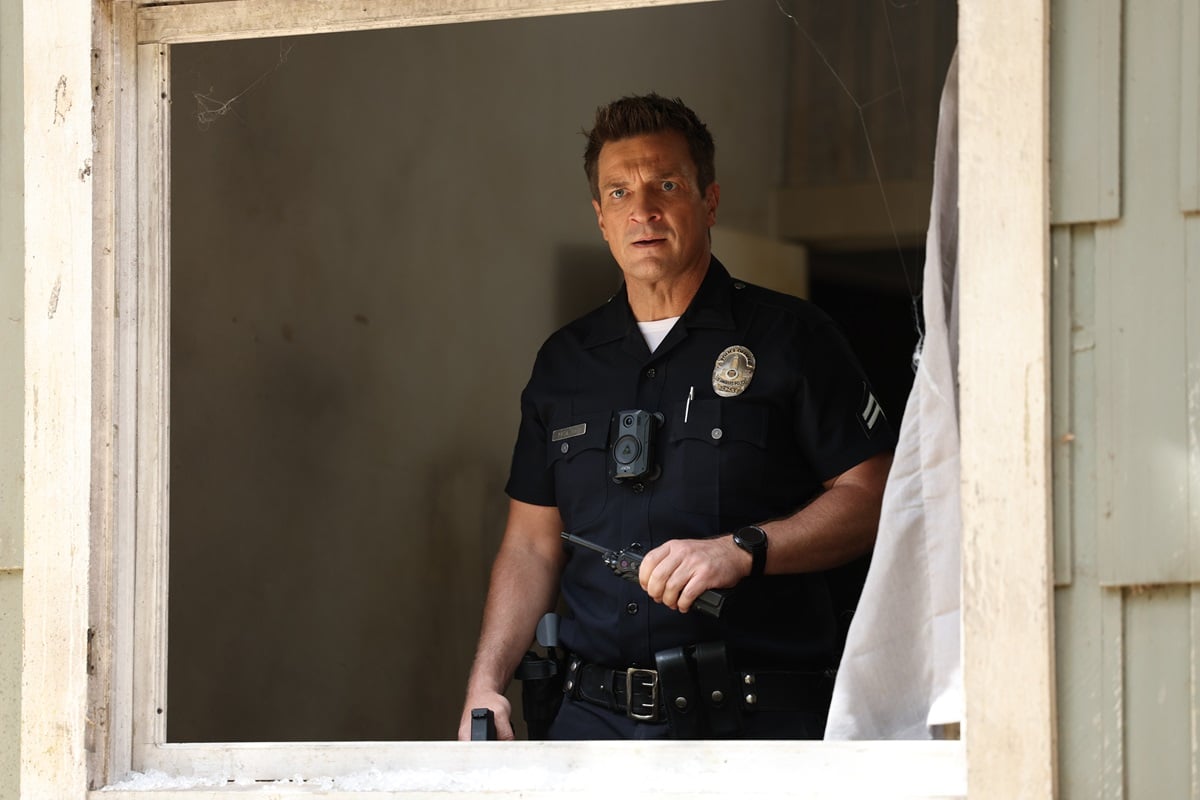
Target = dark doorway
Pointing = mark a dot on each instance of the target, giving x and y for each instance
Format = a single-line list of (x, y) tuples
[(868, 294)]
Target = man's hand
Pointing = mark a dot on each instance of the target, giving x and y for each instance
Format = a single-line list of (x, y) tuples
[(499, 705), (676, 573)]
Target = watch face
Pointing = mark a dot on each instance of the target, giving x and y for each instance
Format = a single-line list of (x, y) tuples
[(751, 536)]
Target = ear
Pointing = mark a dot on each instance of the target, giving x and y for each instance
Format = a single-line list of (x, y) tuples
[(600, 219), (712, 198)]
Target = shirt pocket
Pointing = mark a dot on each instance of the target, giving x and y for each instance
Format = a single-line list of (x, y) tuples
[(577, 452), (722, 453)]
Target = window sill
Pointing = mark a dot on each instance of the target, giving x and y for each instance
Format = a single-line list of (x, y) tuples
[(533, 770)]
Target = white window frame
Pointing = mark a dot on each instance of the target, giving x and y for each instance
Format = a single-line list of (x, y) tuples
[(96, 497)]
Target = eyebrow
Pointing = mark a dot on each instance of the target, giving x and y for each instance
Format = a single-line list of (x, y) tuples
[(617, 183)]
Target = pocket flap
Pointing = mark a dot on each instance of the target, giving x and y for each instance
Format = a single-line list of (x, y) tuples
[(718, 422)]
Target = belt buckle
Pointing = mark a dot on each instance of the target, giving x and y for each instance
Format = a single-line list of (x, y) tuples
[(641, 678)]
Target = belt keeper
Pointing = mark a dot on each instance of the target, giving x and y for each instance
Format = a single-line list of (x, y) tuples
[(571, 679)]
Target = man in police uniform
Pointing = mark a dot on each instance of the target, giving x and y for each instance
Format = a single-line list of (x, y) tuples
[(725, 431)]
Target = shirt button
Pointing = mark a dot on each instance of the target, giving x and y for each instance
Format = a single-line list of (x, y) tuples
[(717, 433), (650, 373), (739, 285), (632, 608)]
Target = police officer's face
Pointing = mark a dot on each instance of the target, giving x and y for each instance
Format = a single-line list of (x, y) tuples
[(651, 211)]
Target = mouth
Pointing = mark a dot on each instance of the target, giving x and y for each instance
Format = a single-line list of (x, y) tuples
[(648, 242)]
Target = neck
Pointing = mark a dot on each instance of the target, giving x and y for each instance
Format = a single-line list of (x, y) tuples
[(654, 300)]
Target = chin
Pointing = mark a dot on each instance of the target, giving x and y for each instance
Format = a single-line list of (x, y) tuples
[(646, 270)]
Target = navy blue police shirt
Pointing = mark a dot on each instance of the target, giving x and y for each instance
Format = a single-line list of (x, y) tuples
[(807, 415)]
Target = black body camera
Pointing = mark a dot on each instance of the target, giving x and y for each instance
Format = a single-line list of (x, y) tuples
[(633, 439)]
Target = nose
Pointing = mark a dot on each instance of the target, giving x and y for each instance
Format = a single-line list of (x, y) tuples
[(645, 208)]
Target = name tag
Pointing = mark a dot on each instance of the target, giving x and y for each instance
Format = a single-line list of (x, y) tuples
[(569, 433)]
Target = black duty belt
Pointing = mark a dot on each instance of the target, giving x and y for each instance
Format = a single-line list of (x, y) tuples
[(615, 688), (694, 689)]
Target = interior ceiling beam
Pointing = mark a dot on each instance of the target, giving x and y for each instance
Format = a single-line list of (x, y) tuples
[(186, 21)]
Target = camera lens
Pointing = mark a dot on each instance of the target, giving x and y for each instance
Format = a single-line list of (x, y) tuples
[(627, 450)]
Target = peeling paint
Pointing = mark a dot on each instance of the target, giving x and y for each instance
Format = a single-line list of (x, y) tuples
[(54, 293), (62, 100)]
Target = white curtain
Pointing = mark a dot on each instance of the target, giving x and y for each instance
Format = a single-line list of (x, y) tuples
[(902, 669)]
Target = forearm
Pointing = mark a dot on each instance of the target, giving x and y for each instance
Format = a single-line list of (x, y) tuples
[(838, 526), (521, 591), (523, 587)]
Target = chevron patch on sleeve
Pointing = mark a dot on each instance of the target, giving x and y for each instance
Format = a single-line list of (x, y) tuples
[(871, 411)]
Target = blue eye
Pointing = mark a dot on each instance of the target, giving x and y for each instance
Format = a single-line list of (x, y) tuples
[(617, 194), (668, 186)]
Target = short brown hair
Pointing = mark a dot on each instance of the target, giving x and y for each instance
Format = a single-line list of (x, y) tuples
[(644, 114)]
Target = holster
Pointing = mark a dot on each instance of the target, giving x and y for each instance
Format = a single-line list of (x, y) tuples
[(698, 692), (541, 692)]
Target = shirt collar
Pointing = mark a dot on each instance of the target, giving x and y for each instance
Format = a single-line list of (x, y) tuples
[(712, 307)]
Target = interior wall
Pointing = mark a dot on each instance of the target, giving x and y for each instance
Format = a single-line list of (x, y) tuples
[(372, 233), (867, 78), (12, 420), (867, 69)]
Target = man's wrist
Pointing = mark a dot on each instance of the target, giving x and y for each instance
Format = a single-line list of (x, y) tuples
[(753, 540), (744, 560)]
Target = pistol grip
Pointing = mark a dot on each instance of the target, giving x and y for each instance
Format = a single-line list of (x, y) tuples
[(711, 602), (483, 725)]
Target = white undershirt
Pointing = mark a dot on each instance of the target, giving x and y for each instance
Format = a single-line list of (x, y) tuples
[(656, 331)]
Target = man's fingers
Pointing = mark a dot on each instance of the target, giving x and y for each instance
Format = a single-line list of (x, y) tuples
[(688, 594), (666, 568), (649, 563), (501, 712), (678, 572), (675, 585)]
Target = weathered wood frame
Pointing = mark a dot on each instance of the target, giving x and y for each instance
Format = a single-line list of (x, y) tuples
[(96, 430)]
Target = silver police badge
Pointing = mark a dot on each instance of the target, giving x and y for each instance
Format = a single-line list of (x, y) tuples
[(733, 372)]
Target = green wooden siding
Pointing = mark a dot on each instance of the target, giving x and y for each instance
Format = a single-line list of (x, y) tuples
[(1125, 289), (1192, 248), (1189, 118), (1157, 691), (10, 684), (12, 421), (1085, 82), (1140, 286)]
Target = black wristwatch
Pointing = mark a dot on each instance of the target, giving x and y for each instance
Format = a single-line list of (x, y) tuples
[(753, 540)]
